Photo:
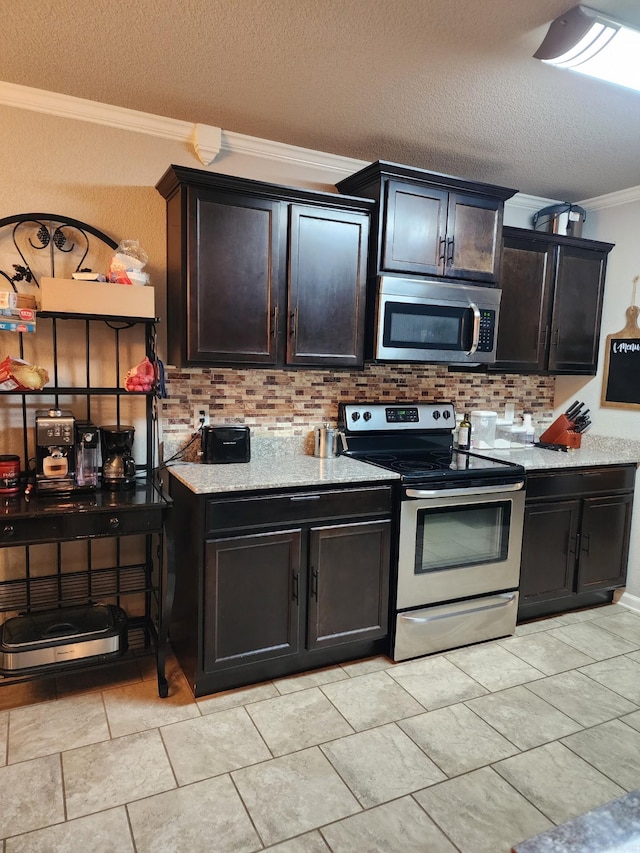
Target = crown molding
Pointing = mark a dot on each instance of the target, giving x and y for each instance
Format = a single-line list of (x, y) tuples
[(529, 202), (206, 140), (601, 202)]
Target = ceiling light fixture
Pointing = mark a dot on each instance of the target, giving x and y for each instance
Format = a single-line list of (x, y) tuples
[(587, 41)]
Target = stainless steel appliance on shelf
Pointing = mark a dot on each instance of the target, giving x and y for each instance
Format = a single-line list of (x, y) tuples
[(460, 531), (418, 320)]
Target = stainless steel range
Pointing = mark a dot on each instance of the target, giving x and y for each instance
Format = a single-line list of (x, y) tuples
[(460, 531)]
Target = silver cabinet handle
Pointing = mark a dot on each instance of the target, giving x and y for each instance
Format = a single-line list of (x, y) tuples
[(304, 498), (476, 328), (450, 493)]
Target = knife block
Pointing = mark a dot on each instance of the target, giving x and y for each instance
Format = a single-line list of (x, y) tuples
[(560, 432)]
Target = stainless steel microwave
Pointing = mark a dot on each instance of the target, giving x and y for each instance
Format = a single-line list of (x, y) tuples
[(429, 321)]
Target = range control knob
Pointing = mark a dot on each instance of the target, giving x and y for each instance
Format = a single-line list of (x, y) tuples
[(446, 414), (355, 416), (436, 415), (367, 416)]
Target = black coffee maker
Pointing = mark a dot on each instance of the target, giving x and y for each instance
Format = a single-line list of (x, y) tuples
[(118, 466)]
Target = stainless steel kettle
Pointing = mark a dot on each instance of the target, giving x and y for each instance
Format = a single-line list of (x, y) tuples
[(326, 442)]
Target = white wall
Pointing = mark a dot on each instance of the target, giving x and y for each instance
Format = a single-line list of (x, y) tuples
[(619, 224)]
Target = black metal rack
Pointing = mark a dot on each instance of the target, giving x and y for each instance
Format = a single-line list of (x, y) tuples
[(103, 547)]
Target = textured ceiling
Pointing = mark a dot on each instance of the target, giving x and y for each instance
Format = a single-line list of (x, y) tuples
[(446, 85)]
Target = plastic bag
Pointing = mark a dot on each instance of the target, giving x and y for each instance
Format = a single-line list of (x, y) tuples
[(127, 264), (18, 375), (141, 377)]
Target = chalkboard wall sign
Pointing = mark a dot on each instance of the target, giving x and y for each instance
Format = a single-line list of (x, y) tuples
[(621, 383)]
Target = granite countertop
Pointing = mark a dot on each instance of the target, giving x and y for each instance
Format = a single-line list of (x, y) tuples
[(277, 464), (595, 450), (612, 828)]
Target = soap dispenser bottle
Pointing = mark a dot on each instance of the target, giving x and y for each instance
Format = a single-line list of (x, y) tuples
[(529, 432)]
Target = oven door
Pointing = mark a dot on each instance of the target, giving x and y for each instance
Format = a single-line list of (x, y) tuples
[(460, 542)]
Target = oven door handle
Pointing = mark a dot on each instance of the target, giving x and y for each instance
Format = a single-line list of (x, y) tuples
[(476, 328), (455, 493)]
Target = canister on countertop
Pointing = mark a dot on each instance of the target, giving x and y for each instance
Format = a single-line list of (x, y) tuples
[(483, 429), (9, 474), (326, 442)]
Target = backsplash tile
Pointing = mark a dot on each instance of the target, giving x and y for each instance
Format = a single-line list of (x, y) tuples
[(293, 402)]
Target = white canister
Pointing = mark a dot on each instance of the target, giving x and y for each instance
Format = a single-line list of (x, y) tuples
[(483, 429)]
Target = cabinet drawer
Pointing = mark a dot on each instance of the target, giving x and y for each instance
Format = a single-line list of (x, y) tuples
[(578, 482), (28, 531), (115, 523), (267, 510)]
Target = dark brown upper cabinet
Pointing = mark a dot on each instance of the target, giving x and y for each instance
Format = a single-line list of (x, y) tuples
[(262, 275), (552, 293), (431, 225)]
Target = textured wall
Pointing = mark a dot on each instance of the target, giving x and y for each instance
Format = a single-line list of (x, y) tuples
[(290, 402)]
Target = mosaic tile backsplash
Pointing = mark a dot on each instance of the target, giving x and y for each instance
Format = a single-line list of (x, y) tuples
[(288, 402)]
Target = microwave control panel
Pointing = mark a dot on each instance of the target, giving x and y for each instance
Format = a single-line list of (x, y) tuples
[(487, 330)]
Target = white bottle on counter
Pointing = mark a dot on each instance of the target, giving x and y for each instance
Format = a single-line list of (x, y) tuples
[(529, 432)]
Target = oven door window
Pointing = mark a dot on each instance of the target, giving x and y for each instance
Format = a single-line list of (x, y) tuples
[(457, 536), (430, 327)]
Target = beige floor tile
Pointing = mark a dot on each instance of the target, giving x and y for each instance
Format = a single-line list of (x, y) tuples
[(310, 842), (621, 674), (633, 720), (371, 700), (381, 764), (593, 641), (4, 729), (558, 782), (581, 698), (546, 653), (366, 666), (235, 698), (481, 813), (293, 794), (297, 721), (19, 695), (95, 680), (457, 739), (105, 832), (613, 748), (494, 667), (581, 615), (51, 727), (199, 818), (625, 625), (634, 656), (212, 745), (398, 826), (522, 717), (435, 682), (31, 795), (526, 628), (137, 707), (115, 772), (294, 683)]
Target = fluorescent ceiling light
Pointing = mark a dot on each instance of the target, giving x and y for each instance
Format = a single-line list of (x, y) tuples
[(587, 41)]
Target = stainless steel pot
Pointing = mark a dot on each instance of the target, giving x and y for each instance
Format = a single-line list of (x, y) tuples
[(326, 442)]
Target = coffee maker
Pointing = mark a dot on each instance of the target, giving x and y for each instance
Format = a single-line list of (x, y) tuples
[(55, 451), (118, 466)]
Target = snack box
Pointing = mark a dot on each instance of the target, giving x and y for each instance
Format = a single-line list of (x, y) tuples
[(16, 326), (67, 296), (10, 299)]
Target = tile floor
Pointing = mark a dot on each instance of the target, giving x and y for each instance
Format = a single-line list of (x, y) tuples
[(471, 750)]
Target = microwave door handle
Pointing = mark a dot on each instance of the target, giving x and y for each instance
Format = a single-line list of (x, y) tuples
[(455, 493), (476, 328)]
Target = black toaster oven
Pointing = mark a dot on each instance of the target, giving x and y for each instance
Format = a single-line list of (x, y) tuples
[(224, 444)]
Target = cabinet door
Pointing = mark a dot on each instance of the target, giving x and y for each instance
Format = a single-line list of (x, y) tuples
[(327, 280), (348, 583), (526, 279), (233, 278), (474, 233), (548, 561), (251, 599), (577, 309), (604, 542), (414, 229)]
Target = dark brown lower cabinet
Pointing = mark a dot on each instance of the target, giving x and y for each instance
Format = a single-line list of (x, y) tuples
[(576, 538), (276, 583)]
